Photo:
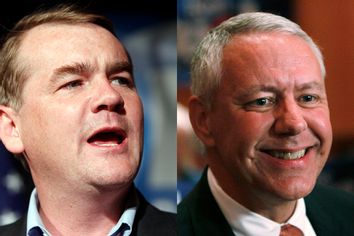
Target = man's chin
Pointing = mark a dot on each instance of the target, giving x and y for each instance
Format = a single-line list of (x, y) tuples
[(294, 192), (113, 185)]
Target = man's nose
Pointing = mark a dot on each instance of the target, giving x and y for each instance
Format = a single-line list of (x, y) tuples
[(289, 119), (106, 97)]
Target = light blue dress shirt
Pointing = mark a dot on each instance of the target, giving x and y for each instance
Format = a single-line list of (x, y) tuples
[(126, 219)]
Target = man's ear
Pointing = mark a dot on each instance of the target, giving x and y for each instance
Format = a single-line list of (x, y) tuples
[(199, 115), (9, 133)]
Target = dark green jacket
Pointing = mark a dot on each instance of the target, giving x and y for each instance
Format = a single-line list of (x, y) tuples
[(330, 211)]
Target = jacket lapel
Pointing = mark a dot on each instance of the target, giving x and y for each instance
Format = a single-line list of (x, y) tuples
[(205, 213), (321, 220), (151, 221)]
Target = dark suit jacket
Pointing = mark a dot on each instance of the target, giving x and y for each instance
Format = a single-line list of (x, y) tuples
[(148, 221), (330, 211)]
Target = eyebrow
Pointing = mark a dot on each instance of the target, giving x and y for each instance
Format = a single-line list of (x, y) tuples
[(255, 89), (76, 68), (312, 85), (81, 68), (265, 88), (119, 67)]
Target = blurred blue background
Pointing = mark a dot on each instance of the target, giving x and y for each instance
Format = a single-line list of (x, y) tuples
[(150, 37)]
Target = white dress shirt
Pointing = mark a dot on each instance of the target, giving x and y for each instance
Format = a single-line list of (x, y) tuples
[(246, 223)]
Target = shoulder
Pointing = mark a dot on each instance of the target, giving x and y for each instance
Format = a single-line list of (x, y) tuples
[(196, 210), (189, 203), (331, 198), (330, 210), (187, 207), (200, 198), (199, 214), (192, 210), (17, 228), (149, 220), (184, 219), (156, 217)]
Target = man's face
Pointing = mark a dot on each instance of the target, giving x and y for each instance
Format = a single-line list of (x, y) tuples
[(81, 121), (269, 118)]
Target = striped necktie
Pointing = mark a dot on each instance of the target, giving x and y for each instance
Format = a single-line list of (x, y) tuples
[(290, 230)]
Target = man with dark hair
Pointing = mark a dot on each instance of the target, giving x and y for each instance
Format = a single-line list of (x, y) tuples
[(70, 110)]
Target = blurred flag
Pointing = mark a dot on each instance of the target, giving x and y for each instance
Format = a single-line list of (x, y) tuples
[(13, 198)]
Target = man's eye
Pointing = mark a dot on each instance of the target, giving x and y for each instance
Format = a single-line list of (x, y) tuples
[(260, 102), (72, 84), (122, 81), (306, 99)]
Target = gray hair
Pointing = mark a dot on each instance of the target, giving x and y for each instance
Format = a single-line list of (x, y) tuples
[(206, 69)]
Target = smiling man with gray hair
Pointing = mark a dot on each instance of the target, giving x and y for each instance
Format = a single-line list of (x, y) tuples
[(260, 108)]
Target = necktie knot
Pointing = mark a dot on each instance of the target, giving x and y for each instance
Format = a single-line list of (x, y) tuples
[(290, 230)]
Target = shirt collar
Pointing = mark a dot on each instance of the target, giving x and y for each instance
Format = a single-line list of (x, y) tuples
[(127, 218), (125, 222), (245, 222), (33, 218)]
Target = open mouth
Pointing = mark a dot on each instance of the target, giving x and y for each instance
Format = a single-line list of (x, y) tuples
[(287, 155), (108, 138)]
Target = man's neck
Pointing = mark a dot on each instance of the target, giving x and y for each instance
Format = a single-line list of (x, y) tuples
[(275, 209), (91, 213)]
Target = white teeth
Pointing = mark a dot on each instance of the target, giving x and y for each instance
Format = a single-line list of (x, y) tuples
[(106, 144), (288, 155)]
